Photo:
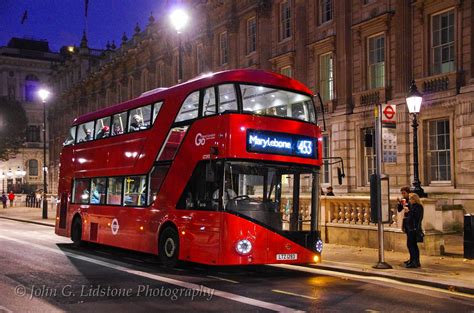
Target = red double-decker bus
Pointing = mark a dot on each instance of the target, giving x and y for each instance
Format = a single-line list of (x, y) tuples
[(220, 170)]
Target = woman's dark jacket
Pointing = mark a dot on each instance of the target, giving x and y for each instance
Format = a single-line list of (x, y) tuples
[(412, 221)]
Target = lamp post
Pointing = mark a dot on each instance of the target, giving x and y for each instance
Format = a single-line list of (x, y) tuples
[(179, 18), (43, 93), (2, 176), (414, 99)]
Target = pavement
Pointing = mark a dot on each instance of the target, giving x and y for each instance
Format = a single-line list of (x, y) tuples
[(450, 271)]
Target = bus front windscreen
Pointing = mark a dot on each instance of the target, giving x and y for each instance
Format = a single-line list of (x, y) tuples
[(277, 102), (279, 197)]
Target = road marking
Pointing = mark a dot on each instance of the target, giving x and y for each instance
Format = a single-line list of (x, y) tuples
[(224, 279), (369, 278), (293, 294), (125, 269), (4, 309)]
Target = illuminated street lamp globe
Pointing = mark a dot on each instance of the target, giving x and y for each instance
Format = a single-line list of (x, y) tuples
[(414, 99), (43, 94), (179, 18)]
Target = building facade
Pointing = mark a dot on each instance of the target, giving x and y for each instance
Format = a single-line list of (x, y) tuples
[(25, 65), (356, 53)]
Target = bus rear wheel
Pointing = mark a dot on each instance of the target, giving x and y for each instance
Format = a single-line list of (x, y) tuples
[(168, 247), (76, 231)]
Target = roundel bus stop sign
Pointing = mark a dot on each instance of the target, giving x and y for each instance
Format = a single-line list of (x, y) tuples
[(388, 113)]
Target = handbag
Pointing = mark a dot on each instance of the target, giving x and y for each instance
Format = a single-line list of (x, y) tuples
[(419, 235)]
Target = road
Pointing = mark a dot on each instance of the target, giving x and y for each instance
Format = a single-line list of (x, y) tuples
[(41, 272)]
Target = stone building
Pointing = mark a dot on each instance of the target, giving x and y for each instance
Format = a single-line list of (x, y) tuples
[(25, 64), (356, 53)]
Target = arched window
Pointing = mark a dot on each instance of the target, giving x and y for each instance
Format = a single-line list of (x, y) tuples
[(144, 80), (33, 167), (31, 87), (131, 83)]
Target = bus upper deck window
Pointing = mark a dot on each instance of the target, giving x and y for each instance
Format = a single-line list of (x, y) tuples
[(140, 118), (119, 123), (209, 102), (85, 132), (276, 102), (227, 98), (71, 137), (156, 109), (189, 108)]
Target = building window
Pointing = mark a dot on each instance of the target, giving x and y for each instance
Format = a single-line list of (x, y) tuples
[(200, 58), (326, 166), (439, 150), (251, 35), (159, 75), (144, 80), (31, 88), (368, 144), (326, 76), (442, 43), (325, 11), (285, 20), (287, 71), (119, 92), (223, 48), (33, 134), (131, 83), (376, 62), (33, 168)]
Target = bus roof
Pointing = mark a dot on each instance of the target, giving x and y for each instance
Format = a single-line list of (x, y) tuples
[(251, 76)]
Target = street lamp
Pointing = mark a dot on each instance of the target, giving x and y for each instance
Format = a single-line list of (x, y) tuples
[(2, 176), (179, 18), (414, 99), (43, 94)]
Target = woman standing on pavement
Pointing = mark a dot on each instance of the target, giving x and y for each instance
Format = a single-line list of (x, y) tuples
[(412, 225)]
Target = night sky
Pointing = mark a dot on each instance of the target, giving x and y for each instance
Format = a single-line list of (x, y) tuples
[(61, 22)]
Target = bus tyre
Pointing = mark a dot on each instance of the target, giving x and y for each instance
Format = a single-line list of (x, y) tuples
[(76, 232), (168, 247)]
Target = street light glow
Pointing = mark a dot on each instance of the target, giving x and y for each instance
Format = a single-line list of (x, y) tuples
[(43, 94), (414, 99), (179, 18)]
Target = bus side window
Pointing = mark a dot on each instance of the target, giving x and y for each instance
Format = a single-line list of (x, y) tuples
[(140, 118), (85, 132), (135, 191), (71, 138), (81, 190), (98, 191), (114, 190), (102, 127), (156, 180), (119, 123), (156, 109), (189, 108), (227, 98), (209, 102)]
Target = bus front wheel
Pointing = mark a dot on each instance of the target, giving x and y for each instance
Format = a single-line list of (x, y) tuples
[(76, 231), (168, 247)]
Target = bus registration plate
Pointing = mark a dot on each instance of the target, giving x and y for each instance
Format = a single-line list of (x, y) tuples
[(287, 256)]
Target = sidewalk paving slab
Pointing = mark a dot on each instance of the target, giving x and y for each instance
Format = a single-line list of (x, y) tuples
[(451, 272)]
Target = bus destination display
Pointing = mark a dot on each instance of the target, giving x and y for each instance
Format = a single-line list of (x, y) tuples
[(280, 143)]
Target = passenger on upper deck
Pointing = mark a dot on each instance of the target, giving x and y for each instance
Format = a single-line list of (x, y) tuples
[(88, 136), (137, 123), (117, 130), (104, 132)]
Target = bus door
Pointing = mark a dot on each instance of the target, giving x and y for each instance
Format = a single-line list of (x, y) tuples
[(200, 204)]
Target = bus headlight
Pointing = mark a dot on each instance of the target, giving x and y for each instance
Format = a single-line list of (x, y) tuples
[(243, 247), (319, 245)]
